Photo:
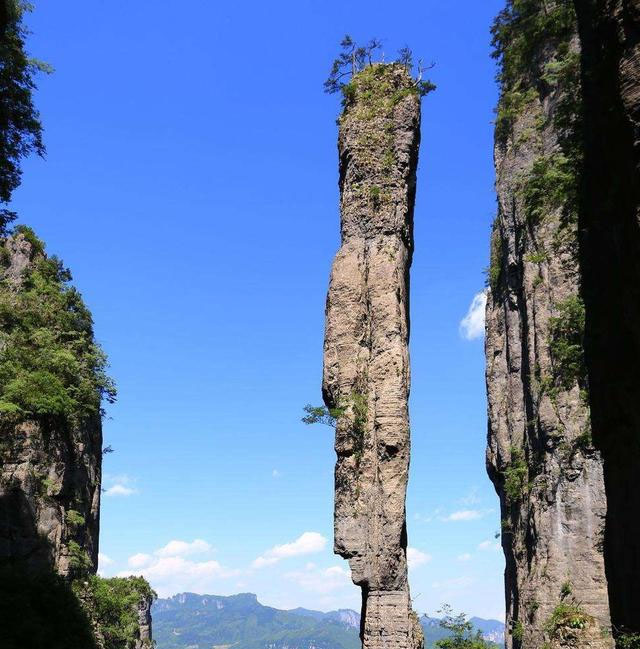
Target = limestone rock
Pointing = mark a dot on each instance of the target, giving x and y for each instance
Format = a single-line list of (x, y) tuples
[(49, 473), (540, 454), (366, 360)]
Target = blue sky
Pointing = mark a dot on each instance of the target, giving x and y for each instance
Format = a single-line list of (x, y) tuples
[(191, 186)]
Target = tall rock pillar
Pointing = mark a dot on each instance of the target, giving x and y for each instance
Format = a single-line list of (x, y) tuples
[(541, 455), (366, 360)]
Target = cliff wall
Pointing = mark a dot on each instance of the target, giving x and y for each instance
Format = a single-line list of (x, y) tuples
[(541, 455), (610, 254), (52, 383), (366, 361)]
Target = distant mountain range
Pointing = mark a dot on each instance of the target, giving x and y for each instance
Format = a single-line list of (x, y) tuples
[(189, 621)]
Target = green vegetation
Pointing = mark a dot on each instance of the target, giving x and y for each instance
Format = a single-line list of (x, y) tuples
[(354, 408), (20, 128), (115, 606), (550, 185), (355, 59), (519, 32), (322, 415), (50, 365), (565, 590), (462, 635), (628, 640), (536, 257), (518, 631), (495, 258), (79, 559), (74, 518), (566, 333), (566, 615), (515, 476)]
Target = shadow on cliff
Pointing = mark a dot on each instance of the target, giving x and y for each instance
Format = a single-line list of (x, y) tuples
[(610, 260), (38, 608)]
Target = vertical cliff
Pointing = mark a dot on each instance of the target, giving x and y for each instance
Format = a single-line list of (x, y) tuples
[(541, 456), (52, 383), (366, 361), (610, 253)]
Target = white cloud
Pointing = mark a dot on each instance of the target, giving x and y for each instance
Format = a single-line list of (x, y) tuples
[(472, 325), (321, 580), (182, 548), (465, 515), (307, 543), (104, 560), (170, 572), (489, 546), (464, 557), (139, 560), (119, 490), (119, 485), (417, 558)]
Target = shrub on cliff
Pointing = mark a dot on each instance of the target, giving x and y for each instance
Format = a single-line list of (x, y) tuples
[(50, 364)]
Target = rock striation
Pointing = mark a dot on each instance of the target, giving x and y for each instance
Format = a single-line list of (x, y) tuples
[(366, 360), (541, 456)]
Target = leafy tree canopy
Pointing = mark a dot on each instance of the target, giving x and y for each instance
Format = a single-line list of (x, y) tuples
[(50, 364), (462, 633), (20, 127)]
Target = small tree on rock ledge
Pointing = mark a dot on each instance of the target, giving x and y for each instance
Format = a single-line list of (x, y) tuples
[(354, 58)]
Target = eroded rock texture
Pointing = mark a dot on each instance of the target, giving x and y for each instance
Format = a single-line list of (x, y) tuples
[(366, 361), (49, 471), (541, 457), (610, 252)]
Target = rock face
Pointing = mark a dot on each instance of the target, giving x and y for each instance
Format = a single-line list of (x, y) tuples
[(51, 384), (610, 253), (49, 472), (540, 456), (366, 361), (143, 638)]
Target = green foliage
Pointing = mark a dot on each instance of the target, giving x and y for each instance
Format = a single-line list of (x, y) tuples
[(519, 34), (565, 590), (78, 558), (628, 641), (521, 29), (566, 615), (566, 334), (74, 518), (495, 258), (116, 608), (243, 623), (461, 630), (50, 364), (515, 476), (354, 59), (536, 257), (20, 128), (518, 631), (322, 415), (550, 185)]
